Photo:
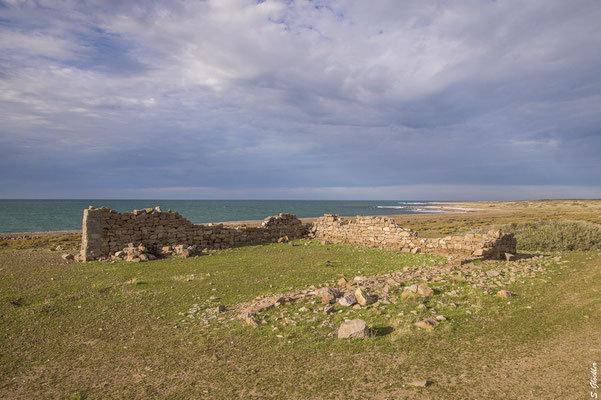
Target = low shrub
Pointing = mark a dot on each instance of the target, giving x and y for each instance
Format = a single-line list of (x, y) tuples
[(556, 235)]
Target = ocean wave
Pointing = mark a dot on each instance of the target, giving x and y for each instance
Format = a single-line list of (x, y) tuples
[(395, 207)]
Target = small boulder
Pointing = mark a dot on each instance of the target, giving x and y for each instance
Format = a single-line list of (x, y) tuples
[(357, 328), (425, 290), (68, 257), (409, 292), (427, 324), (342, 282), (505, 293), (327, 295), (363, 298), (393, 282), (347, 300), (420, 383), (251, 319)]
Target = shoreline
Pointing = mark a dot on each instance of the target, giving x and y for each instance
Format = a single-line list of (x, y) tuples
[(257, 222)]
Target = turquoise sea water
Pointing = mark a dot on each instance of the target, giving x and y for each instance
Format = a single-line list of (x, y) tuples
[(51, 215)]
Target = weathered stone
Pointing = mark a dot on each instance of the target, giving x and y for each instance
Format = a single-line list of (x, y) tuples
[(363, 298), (505, 293), (251, 319), (263, 305), (342, 282), (425, 290), (409, 292), (510, 257), (67, 257), (383, 232), (356, 328), (393, 282), (427, 324), (419, 383), (327, 295), (347, 300), (106, 231)]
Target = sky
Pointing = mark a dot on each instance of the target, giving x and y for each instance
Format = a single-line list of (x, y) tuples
[(283, 99)]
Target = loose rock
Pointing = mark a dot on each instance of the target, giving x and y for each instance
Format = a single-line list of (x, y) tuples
[(251, 319), (356, 328), (347, 300), (419, 383), (363, 298), (427, 324), (425, 290), (409, 292), (505, 293), (328, 295)]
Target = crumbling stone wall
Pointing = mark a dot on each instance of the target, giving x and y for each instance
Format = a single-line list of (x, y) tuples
[(107, 231), (384, 233)]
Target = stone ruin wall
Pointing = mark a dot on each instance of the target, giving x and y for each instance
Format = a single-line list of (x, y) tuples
[(107, 231), (384, 233)]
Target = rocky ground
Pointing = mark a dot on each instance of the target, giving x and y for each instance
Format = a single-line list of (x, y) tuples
[(426, 291), (312, 321)]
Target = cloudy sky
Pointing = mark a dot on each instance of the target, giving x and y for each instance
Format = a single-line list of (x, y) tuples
[(282, 99)]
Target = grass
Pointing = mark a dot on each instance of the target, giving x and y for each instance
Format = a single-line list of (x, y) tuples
[(124, 330), (66, 242), (116, 330)]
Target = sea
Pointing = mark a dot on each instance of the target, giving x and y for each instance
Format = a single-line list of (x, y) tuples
[(53, 215)]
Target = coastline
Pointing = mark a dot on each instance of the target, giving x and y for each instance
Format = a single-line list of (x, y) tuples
[(445, 211)]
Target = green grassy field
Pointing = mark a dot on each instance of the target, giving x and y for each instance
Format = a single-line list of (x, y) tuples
[(126, 330)]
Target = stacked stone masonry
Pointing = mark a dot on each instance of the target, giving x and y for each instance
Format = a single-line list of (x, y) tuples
[(107, 231), (384, 233)]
